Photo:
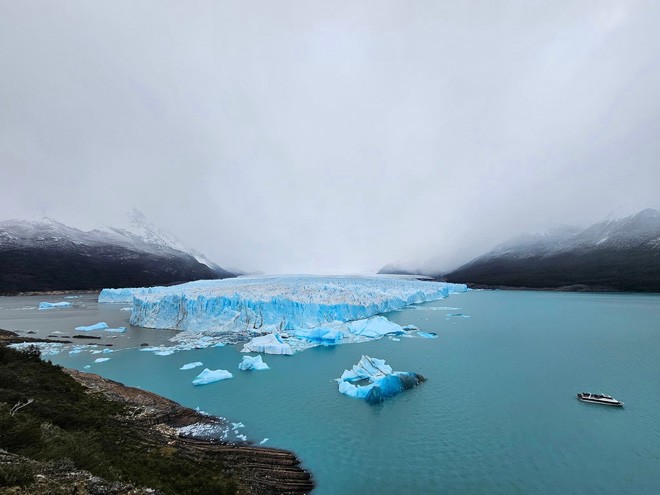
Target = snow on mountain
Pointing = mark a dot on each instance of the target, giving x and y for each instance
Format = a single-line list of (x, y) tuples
[(614, 254), (42, 254), (137, 234)]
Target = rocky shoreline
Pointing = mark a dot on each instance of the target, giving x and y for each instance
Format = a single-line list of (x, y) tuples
[(156, 423), (261, 469)]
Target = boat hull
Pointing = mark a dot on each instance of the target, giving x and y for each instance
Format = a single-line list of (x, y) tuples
[(612, 403)]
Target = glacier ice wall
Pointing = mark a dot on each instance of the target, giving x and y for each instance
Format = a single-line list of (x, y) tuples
[(276, 303)]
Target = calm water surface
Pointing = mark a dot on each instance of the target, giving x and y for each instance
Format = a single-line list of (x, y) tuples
[(498, 413)]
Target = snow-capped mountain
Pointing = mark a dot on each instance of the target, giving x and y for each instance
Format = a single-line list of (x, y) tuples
[(44, 254), (617, 254)]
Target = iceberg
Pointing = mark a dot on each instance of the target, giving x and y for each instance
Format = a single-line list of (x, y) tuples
[(310, 310), (382, 381), (428, 335), (48, 305), (374, 327), (210, 376), (252, 363), (268, 344), (190, 366), (101, 360), (101, 325)]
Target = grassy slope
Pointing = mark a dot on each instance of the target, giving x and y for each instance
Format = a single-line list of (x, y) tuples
[(64, 422)]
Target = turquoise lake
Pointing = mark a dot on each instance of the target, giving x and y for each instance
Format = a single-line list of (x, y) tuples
[(498, 413)]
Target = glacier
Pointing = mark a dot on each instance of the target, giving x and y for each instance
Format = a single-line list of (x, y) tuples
[(278, 314), (252, 363), (383, 382)]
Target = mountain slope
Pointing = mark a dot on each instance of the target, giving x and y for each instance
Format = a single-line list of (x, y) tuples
[(43, 254), (615, 254)]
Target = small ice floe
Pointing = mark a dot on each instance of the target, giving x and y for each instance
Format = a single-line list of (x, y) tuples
[(116, 330), (236, 426), (394, 339), (160, 350), (428, 335), (46, 348), (433, 308), (241, 437), (252, 363), (210, 376), (383, 382), (190, 366), (127, 308), (458, 315), (49, 305), (264, 441), (101, 325), (87, 366), (268, 344), (71, 297), (101, 360)]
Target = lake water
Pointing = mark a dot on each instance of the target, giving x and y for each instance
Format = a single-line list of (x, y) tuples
[(498, 413)]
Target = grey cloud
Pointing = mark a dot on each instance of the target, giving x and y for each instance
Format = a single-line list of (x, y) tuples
[(330, 136)]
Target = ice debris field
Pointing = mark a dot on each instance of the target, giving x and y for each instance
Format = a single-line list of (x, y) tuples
[(278, 314)]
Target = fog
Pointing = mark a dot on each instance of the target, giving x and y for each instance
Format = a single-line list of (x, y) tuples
[(330, 136)]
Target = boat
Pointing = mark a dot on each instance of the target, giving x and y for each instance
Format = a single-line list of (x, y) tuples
[(606, 400)]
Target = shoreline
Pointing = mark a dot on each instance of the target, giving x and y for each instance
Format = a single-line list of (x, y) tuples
[(156, 420)]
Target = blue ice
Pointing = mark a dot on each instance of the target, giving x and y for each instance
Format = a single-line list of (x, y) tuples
[(252, 363), (210, 376)]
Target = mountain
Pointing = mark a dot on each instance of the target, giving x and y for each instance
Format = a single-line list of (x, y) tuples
[(44, 254), (615, 254)]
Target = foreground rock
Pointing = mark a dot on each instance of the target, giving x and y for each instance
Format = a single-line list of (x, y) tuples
[(260, 469), (64, 431)]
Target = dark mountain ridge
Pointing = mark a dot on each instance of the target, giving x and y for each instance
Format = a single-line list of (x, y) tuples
[(615, 254), (45, 255)]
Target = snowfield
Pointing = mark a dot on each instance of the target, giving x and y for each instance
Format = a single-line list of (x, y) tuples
[(305, 310)]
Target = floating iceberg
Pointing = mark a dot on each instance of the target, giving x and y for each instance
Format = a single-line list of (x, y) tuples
[(101, 325), (190, 366), (252, 363), (428, 335), (48, 305), (210, 376), (268, 344), (310, 310), (374, 327), (383, 382), (101, 360)]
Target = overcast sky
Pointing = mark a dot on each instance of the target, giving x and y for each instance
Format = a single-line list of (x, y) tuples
[(290, 136)]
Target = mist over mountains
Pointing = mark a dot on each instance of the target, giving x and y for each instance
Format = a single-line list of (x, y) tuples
[(43, 254), (614, 254)]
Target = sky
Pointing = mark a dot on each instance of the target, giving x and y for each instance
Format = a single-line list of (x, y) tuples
[(330, 137)]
